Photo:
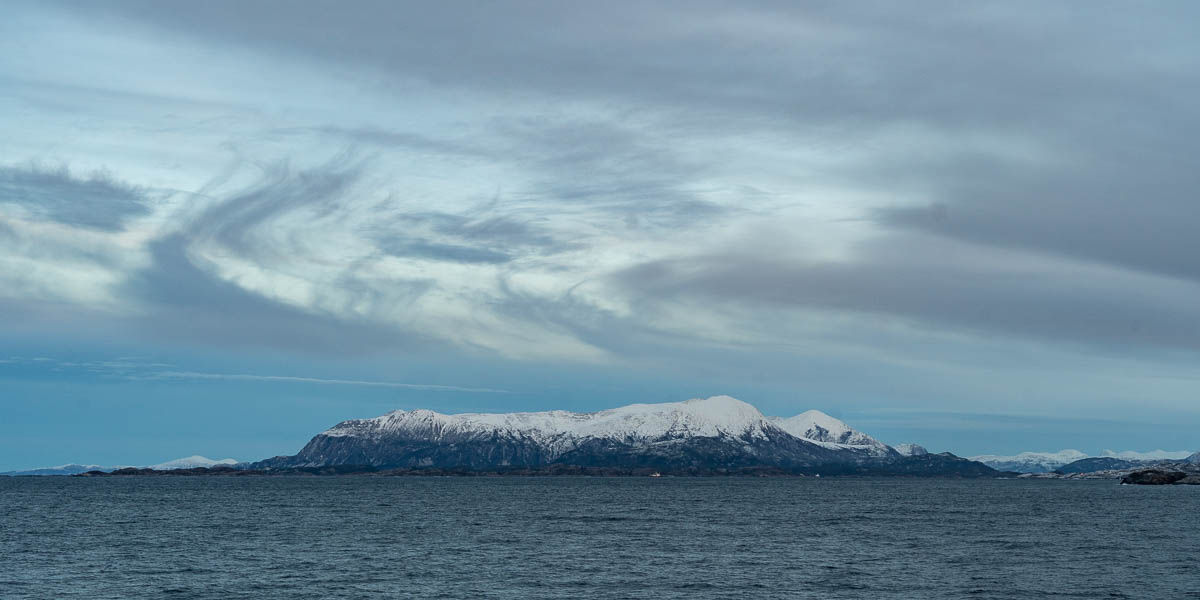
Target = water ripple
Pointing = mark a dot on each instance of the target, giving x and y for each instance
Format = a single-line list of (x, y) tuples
[(353, 537)]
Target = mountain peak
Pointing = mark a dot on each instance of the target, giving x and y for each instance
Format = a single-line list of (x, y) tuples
[(702, 417), (723, 401), (724, 409), (819, 427)]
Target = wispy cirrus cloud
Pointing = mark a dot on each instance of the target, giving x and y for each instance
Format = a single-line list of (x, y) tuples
[(94, 201), (317, 380), (141, 369)]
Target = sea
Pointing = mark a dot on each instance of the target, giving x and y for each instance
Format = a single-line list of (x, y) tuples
[(580, 537)]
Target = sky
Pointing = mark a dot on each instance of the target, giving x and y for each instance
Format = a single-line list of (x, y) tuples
[(226, 226)]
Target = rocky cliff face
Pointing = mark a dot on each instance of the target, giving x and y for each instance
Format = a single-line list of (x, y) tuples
[(717, 432)]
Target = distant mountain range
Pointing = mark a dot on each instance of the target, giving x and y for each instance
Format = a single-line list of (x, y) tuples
[(1074, 461), (711, 435), (179, 463), (697, 436)]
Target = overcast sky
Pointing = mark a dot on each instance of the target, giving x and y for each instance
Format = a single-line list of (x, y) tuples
[(225, 226)]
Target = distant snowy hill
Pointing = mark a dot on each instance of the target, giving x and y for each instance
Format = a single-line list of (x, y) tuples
[(192, 462), (1044, 462), (70, 469), (704, 433), (73, 469), (1153, 455), (1031, 462)]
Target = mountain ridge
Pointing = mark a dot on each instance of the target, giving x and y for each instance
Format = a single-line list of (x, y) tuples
[(189, 462), (1073, 460), (719, 432)]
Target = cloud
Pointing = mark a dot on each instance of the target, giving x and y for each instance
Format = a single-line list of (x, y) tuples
[(446, 252), (392, 139), (97, 201), (238, 221), (180, 300), (1125, 206), (141, 369), (587, 180), (944, 285), (317, 380), (850, 206), (482, 234), (766, 63)]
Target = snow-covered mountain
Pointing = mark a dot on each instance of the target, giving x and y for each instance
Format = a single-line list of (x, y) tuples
[(704, 433), (669, 431), (1030, 462), (818, 427), (711, 417)]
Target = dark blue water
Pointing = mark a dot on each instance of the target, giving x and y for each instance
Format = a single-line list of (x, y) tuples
[(418, 537)]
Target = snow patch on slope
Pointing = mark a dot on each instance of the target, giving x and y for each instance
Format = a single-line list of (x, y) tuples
[(910, 449), (699, 417)]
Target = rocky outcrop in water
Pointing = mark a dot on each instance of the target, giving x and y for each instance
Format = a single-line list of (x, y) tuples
[(1154, 477)]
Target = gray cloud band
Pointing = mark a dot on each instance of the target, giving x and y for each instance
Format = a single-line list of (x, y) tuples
[(1031, 147)]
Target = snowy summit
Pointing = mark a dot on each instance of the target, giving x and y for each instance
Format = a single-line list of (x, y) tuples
[(823, 429)]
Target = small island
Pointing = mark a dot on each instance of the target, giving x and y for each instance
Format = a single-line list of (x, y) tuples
[(1161, 477)]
